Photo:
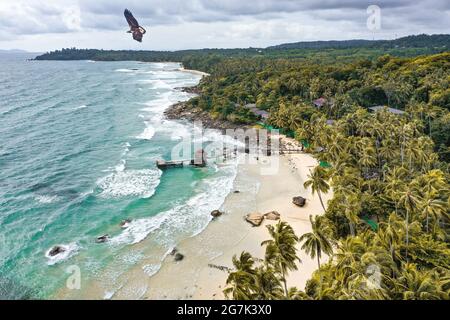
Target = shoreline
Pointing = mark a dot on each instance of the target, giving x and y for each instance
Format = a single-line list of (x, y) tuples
[(197, 72), (202, 274)]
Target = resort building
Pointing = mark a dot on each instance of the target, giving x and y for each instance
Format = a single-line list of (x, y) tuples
[(263, 114), (391, 110)]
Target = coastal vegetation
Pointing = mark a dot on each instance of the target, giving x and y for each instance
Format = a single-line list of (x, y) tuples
[(386, 228)]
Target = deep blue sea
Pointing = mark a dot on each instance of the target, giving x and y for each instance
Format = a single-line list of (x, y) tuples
[(78, 144)]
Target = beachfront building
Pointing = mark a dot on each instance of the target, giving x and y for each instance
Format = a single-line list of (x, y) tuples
[(319, 103), (391, 110), (262, 114)]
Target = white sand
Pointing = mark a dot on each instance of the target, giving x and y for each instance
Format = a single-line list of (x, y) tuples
[(229, 235), (194, 72)]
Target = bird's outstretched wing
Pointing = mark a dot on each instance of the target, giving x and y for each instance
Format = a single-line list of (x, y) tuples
[(130, 19)]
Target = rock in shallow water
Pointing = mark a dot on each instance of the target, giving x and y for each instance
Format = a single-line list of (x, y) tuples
[(102, 239), (216, 213), (56, 250)]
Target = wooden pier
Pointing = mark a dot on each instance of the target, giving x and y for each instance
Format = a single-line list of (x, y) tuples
[(199, 160), (162, 164)]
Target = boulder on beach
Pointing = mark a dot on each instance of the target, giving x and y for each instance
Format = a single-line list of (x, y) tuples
[(174, 251), (179, 257), (299, 201), (237, 191), (254, 219), (102, 239), (273, 215), (216, 213), (56, 250)]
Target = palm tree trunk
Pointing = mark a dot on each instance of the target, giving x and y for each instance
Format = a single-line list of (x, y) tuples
[(429, 124), (318, 260), (285, 284), (407, 234), (321, 201), (352, 228)]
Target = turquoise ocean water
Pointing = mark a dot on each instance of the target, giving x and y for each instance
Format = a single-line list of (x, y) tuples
[(78, 147)]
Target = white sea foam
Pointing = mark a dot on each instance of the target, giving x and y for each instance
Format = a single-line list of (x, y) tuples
[(127, 149), (121, 166), (139, 183), (46, 199), (125, 70), (69, 251), (147, 134), (216, 136), (157, 84), (151, 269), (192, 216), (159, 105), (87, 193), (81, 107)]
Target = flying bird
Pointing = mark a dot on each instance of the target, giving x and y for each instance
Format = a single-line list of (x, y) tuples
[(137, 31)]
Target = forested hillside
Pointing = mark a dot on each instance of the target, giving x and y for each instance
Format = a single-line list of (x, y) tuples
[(414, 41), (288, 87), (386, 228)]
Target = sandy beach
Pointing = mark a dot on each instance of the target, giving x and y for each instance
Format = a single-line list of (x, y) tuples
[(200, 73), (197, 276)]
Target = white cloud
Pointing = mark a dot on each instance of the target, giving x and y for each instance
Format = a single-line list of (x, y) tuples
[(181, 24)]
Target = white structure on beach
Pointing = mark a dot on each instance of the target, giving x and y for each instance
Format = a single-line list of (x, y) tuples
[(391, 110)]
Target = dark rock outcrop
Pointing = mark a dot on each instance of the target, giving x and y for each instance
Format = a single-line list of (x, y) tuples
[(216, 213), (185, 111), (179, 257), (299, 201), (56, 250), (102, 239)]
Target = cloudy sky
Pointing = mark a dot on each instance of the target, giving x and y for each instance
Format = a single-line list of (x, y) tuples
[(43, 25)]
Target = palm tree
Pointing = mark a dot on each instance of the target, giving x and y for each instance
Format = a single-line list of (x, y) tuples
[(395, 184), (431, 114), (241, 284), (317, 179), (430, 206), (348, 254), (418, 285), (389, 235), (267, 284), (410, 202), (281, 252), (352, 209), (316, 242)]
